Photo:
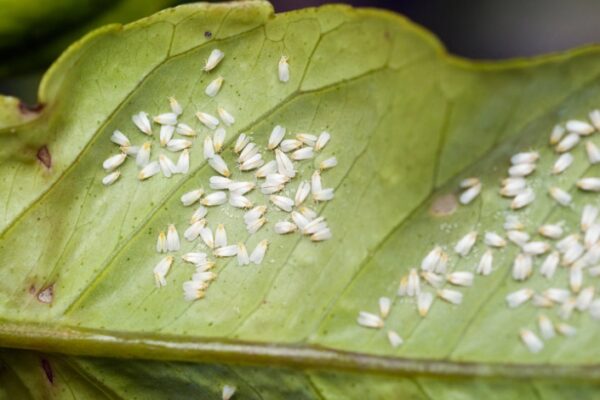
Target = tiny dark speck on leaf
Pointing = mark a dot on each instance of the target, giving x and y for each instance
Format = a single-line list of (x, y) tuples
[(208, 34), (443, 205), (47, 370), (44, 156)]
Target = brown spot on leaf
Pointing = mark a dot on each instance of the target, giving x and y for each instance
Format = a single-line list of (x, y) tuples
[(47, 370), (46, 295), (208, 34), (32, 289), (444, 205), (27, 109), (44, 156)]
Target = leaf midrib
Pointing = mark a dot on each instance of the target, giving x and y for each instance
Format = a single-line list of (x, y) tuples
[(78, 341)]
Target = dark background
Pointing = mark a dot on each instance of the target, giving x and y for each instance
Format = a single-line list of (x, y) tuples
[(493, 29), (479, 29)]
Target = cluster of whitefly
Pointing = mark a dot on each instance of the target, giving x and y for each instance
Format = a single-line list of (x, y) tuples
[(272, 177), (578, 252)]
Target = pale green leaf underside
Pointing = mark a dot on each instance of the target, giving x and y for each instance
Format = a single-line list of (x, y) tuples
[(406, 120)]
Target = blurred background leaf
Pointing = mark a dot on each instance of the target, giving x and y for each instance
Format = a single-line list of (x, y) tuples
[(33, 33), (28, 375)]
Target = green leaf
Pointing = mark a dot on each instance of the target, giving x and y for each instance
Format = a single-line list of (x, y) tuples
[(27, 375), (407, 123), (33, 33)]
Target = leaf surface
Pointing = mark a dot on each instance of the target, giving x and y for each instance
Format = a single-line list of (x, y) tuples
[(407, 123)]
